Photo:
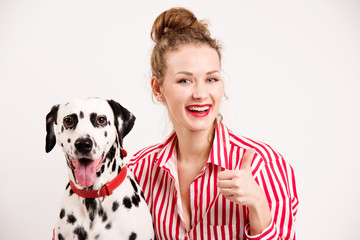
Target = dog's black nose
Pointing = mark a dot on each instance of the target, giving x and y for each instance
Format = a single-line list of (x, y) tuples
[(83, 145)]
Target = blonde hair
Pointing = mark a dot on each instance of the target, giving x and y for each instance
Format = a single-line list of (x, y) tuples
[(172, 29)]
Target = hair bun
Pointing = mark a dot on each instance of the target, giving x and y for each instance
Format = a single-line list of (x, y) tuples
[(176, 19)]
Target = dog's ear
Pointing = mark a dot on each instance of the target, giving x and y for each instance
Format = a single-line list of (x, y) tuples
[(124, 120), (50, 133)]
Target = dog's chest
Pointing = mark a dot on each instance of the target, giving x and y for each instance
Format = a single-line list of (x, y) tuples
[(116, 216)]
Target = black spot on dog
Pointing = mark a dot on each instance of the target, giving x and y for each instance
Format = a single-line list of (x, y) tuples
[(71, 192), (69, 140), (142, 194), (102, 168), (97, 236), (127, 202), (91, 206), (62, 145), (101, 211), (115, 206), (111, 154), (67, 186), (119, 170), (98, 174), (108, 165), (104, 217), (114, 166), (81, 115), (81, 233), (108, 226), (91, 217), (132, 236), (105, 133), (93, 117), (133, 184), (62, 213), (71, 219), (62, 129), (135, 199), (60, 237)]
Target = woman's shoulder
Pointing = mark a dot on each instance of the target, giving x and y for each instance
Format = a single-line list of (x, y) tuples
[(266, 152), (149, 152), (143, 162)]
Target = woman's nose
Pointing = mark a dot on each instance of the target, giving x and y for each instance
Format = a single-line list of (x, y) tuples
[(199, 91)]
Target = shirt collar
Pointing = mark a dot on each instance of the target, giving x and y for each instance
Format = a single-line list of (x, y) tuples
[(219, 154), (167, 151)]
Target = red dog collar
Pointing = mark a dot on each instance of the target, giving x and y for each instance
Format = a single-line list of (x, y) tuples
[(106, 190)]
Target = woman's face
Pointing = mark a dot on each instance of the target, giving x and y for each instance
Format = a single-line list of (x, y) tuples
[(192, 89)]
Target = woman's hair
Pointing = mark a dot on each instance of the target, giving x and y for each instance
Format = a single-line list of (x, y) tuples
[(171, 30)]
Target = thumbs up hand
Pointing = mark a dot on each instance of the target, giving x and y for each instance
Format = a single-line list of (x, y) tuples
[(239, 186)]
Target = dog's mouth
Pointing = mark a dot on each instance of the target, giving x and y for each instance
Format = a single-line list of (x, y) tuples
[(85, 170)]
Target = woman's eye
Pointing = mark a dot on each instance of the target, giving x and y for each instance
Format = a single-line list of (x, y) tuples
[(213, 80), (184, 81), (102, 120)]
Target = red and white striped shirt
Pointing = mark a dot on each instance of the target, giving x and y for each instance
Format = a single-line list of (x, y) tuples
[(212, 215)]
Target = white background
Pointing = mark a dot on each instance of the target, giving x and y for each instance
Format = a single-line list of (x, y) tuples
[(291, 71)]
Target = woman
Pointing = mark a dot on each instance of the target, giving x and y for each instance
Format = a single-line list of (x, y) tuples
[(205, 182)]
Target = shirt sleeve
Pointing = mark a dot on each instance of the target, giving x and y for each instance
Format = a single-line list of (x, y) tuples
[(278, 182), (141, 166)]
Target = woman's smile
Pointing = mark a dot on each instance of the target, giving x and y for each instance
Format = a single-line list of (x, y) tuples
[(199, 110)]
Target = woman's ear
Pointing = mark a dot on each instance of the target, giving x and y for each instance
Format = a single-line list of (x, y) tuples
[(155, 85)]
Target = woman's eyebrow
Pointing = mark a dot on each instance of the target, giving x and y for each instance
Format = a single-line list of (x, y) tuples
[(211, 72), (190, 74), (184, 72)]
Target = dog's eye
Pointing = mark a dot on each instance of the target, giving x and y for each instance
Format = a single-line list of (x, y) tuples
[(68, 122), (101, 120)]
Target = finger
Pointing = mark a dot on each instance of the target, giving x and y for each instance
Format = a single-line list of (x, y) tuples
[(247, 158), (229, 195), (226, 175), (227, 192), (224, 184)]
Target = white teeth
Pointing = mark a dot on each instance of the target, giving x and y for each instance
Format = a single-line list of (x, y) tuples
[(198, 109)]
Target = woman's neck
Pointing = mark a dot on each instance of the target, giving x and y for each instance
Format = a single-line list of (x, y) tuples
[(194, 147)]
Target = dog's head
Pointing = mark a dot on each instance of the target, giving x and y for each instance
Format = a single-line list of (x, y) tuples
[(86, 129)]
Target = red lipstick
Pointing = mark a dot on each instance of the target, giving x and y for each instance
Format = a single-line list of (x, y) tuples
[(199, 110)]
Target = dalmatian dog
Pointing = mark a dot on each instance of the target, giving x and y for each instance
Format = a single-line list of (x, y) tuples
[(102, 200)]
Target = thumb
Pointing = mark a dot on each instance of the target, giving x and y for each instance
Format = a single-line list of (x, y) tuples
[(247, 158)]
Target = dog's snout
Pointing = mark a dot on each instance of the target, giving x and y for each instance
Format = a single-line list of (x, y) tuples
[(83, 145)]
